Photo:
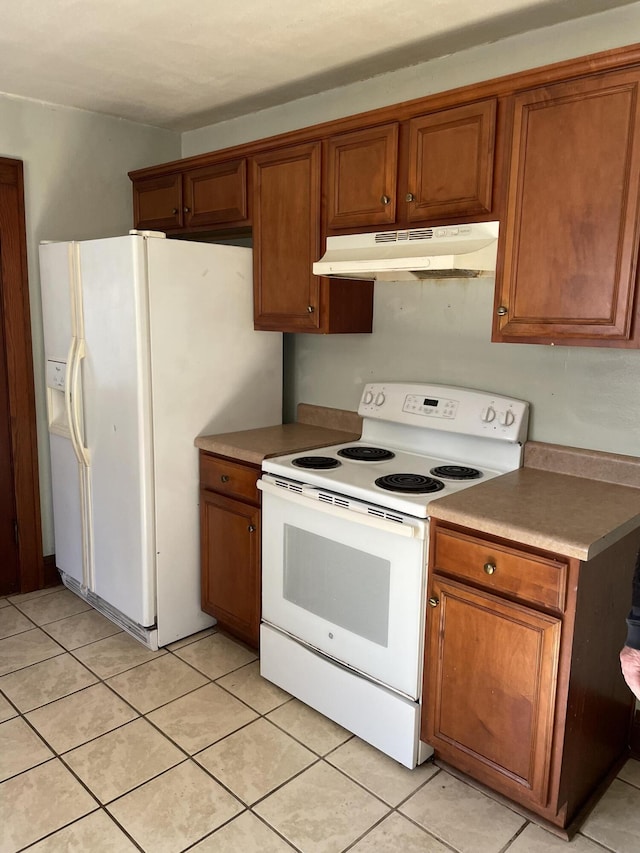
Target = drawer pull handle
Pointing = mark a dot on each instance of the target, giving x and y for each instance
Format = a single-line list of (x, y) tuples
[(224, 478), (433, 602), (489, 568), (251, 528)]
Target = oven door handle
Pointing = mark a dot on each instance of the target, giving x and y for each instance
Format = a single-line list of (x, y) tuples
[(411, 531)]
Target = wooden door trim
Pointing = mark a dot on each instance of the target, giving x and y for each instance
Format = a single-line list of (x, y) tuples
[(17, 322)]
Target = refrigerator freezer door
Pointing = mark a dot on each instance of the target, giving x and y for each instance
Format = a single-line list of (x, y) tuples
[(211, 373), (117, 424), (59, 286)]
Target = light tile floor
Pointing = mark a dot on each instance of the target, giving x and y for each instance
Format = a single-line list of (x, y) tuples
[(105, 746)]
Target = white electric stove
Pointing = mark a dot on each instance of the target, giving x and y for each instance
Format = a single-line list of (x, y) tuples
[(345, 544)]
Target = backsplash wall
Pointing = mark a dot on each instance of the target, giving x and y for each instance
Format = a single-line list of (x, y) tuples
[(440, 332)]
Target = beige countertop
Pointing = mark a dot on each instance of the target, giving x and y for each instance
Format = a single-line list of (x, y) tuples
[(572, 516), (254, 445), (567, 500)]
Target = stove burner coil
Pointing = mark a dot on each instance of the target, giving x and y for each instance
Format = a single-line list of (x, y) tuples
[(415, 484), (321, 463), (456, 472), (366, 454)]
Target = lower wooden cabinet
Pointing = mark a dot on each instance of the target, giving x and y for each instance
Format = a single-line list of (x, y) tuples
[(493, 668), (522, 684), (230, 546)]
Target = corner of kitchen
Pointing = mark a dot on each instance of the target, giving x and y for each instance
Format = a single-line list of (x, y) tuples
[(339, 468)]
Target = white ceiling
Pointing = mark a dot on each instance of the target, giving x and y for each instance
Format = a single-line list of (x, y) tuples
[(183, 64)]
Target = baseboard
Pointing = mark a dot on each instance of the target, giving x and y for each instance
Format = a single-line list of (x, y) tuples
[(50, 575)]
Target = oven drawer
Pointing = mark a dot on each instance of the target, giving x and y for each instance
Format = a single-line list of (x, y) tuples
[(518, 574), (229, 478)]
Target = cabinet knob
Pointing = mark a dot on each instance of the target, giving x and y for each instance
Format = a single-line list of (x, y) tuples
[(434, 602), (174, 210), (409, 197), (187, 209), (224, 478), (251, 528), (310, 309), (489, 568), (502, 310), (385, 199)]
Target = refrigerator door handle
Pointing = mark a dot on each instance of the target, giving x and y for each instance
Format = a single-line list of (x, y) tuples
[(67, 397), (82, 452)]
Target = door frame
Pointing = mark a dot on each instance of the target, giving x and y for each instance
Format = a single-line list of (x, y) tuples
[(17, 329)]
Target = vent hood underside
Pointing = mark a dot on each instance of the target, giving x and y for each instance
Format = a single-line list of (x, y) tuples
[(421, 253)]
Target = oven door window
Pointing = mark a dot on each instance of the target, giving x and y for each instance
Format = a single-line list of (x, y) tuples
[(344, 585)]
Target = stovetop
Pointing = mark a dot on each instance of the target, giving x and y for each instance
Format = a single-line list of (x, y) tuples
[(422, 427), (357, 479)]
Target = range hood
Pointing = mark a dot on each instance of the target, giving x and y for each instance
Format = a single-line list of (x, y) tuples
[(448, 251)]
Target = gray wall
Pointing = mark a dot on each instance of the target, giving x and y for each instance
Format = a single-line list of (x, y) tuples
[(76, 187), (581, 396)]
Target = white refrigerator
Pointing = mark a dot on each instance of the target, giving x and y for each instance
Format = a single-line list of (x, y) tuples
[(149, 342)]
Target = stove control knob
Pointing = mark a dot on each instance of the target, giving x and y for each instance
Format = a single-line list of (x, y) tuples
[(368, 398), (380, 398), (507, 417), (488, 414)]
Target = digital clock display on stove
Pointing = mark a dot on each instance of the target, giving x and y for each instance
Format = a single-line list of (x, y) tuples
[(429, 402)]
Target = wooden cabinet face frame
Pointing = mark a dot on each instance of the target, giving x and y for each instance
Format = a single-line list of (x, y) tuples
[(569, 245)]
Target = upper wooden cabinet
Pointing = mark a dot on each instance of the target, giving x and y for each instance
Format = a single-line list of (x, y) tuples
[(286, 238), (215, 195), (157, 203), (448, 165), (451, 159), (552, 153), (361, 177), (570, 235), (208, 196), (288, 297)]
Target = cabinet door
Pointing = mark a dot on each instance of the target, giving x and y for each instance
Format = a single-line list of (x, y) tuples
[(157, 202), (490, 684), (451, 156), (570, 241), (361, 177), (286, 238), (215, 195), (230, 564)]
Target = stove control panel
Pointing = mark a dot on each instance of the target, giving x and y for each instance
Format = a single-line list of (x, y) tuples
[(442, 407), (433, 407)]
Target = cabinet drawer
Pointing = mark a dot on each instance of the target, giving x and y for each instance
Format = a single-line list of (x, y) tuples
[(518, 574), (229, 478)]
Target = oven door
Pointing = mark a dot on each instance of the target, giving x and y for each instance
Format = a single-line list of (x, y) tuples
[(344, 581)]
